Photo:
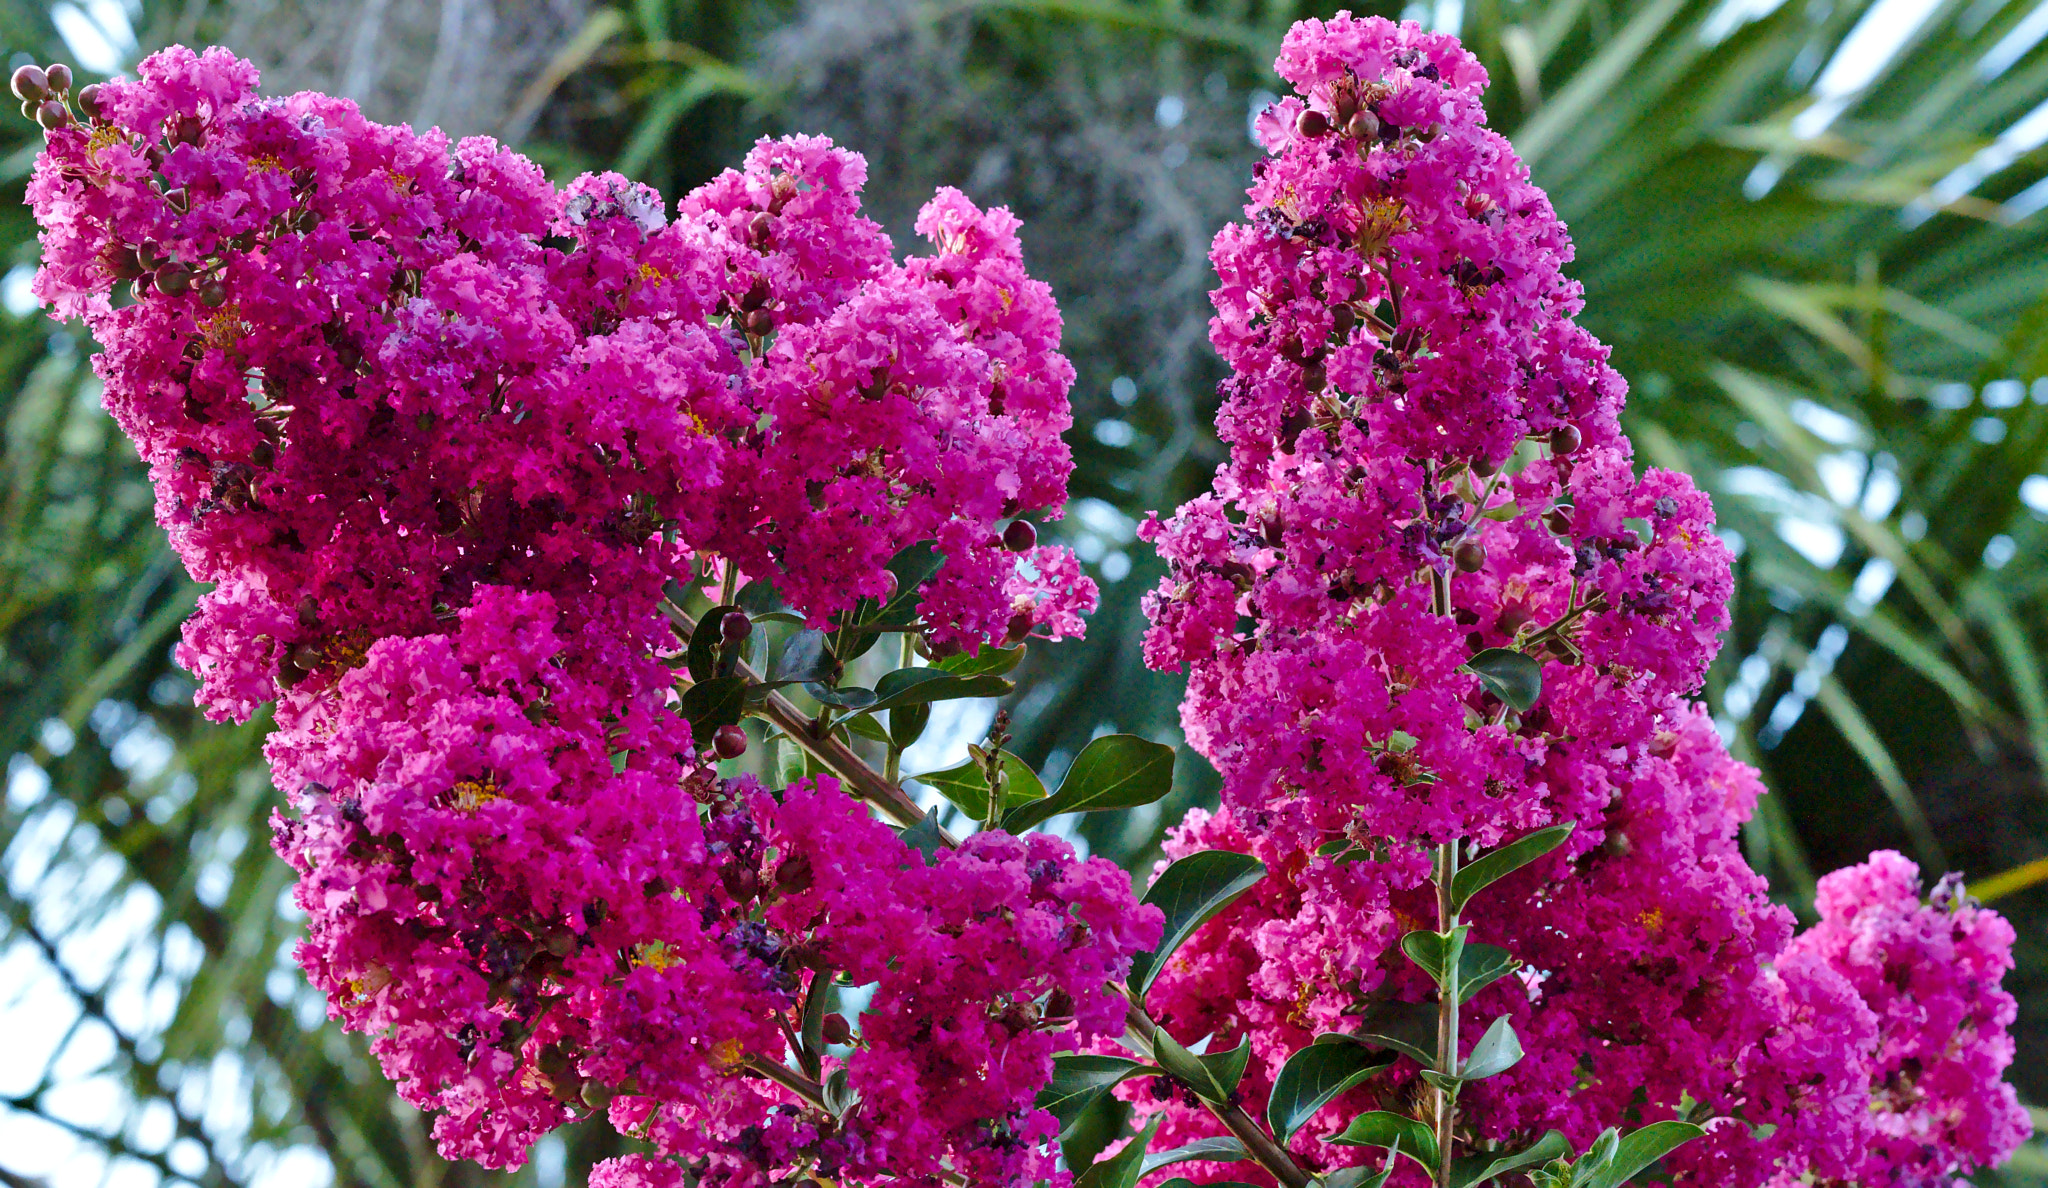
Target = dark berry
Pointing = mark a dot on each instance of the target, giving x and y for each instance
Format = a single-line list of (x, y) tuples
[(1565, 439), (1312, 123), (1019, 536), (1469, 556), (837, 1029), (735, 626), (730, 742)]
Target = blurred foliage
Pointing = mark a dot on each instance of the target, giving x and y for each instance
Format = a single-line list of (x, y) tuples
[(1827, 287)]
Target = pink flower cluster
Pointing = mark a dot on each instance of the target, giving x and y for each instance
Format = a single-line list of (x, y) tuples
[(440, 435), (1426, 465)]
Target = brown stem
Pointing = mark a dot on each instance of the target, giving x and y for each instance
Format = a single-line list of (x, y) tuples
[(868, 784), (788, 1078), (1269, 1154)]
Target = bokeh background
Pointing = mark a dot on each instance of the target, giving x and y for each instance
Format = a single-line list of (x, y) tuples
[(1810, 229)]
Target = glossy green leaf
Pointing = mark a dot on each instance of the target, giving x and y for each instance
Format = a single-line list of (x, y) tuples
[(1122, 1169), (1405, 1027), (1312, 1077), (705, 642), (990, 661), (1498, 863), (1497, 1051), (806, 658), (1116, 771), (1189, 892), (851, 697), (907, 723), (1481, 966), (966, 785), (1078, 1080), (1471, 1171), (922, 686), (1641, 1148), (1435, 951), (1208, 1150), (925, 838), (1381, 1128), (1509, 675), (707, 705), (1213, 1076)]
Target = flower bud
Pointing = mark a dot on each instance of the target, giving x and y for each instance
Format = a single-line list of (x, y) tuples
[(1312, 123), (28, 107), (757, 294), (31, 84), (1485, 467), (759, 323), (213, 294), (173, 280), (1342, 319), (759, 227), (1020, 629), (89, 100), (1019, 536), (1558, 520), (597, 1097), (735, 626), (1565, 439), (794, 875), (837, 1029), (730, 742), (1469, 556), (58, 77), (53, 115), (1363, 126)]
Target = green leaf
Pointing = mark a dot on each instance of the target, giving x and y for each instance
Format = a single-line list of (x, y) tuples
[(1505, 512), (1642, 1148), (1496, 864), (1189, 892), (1383, 1129), (1482, 966), (1405, 1027), (1078, 1080), (1509, 675), (1122, 1169), (707, 705), (806, 658), (705, 642), (866, 726), (1115, 771), (1497, 1051), (924, 837), (1435, 951), (1474, 1170), (990, 661), (1362, 1177), (1184, 1182), (840, 1095), (967, 787), (1213, 1076), (906, 724), (922, 686), (1312, 1078), (1103, 1121), (1208, 1150), (845, 696)]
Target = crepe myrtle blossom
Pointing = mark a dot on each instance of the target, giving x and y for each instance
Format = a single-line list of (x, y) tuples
[(439, 435), (445, 439), (1425, 467)]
